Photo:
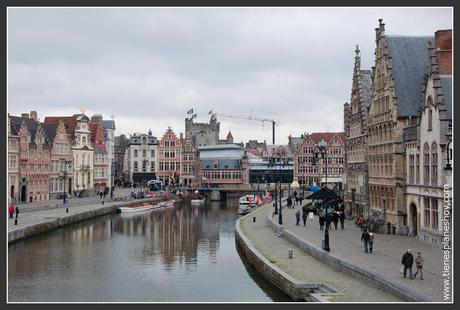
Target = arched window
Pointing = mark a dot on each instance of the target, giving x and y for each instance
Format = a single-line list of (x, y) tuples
[(426, 164), (144, 140), (83, 140), (434, 164), (430, 113)]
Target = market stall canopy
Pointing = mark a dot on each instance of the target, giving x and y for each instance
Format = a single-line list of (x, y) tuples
[(314, 188), (323, 194)]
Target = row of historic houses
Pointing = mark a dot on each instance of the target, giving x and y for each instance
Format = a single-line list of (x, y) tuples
[(397, 126), (68, 155)]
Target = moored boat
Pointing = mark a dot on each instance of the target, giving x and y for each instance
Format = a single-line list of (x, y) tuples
[(141, 208), (198, 199)]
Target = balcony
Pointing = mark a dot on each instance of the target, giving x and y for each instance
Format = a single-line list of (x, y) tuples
[(85, 167)]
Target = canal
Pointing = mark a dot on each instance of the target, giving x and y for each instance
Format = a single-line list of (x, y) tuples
[(178, 254)]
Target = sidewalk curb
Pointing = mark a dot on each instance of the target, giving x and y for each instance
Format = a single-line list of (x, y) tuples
[(382, 282)]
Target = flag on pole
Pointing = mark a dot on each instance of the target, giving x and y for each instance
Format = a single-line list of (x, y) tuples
[(193, 116), (190, 111)]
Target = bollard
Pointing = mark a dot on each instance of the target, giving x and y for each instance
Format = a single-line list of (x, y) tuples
[(67, 210), (16, 221), (253, 219), (290, 253)]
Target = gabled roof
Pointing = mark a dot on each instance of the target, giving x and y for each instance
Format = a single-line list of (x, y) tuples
[(50, 131), (410, 60), (69, 121), (30, 124), (108, 124)]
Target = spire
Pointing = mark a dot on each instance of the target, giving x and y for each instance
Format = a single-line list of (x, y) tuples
[(150, 132), (357, 60), (229, 137)]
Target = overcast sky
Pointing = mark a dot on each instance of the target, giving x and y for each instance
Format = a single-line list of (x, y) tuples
[(148, 66)]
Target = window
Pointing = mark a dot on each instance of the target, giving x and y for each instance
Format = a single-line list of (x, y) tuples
[(135, 153), (435, 213), (417, 169), (426, 164), (152, 166), (152, 153), (434, 164), (411, 169), (135, 165), (426, 203), (144, 153)]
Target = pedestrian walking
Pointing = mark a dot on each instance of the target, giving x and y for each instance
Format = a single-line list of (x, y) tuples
[(419, 265), (100, 195), (342, 219), (300, 200), (408, 260), (17, 211), (365, 240), (11, 210), (297, 218), (360, 222), (322, 220), (289, 202), (304, 217), (335, 219), (371, 241)]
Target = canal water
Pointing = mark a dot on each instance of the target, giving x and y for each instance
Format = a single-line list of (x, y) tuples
[(178, 254)]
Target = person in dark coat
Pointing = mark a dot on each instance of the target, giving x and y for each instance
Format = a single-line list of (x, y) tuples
[(365, 240), (100, 194), (342, 219), (335, 218), (17, 211), (408, 260), (289, 202), (304, 218), (322, 220), (297, 218)]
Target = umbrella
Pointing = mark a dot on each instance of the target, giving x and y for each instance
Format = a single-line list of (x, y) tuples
[(323, 194)]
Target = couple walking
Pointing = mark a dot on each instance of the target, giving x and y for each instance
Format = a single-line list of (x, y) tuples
[(297, 218), (368, 241), (408, 261)]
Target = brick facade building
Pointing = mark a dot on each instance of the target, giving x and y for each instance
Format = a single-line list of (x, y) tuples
[(170, 154)]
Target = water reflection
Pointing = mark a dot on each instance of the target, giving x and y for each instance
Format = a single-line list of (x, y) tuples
[(182, 253)]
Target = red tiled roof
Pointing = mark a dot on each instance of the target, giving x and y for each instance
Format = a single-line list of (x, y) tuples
[(69, 121)]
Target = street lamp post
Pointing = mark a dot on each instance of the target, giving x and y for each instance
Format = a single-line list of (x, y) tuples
[(448, 166), (321, 149)]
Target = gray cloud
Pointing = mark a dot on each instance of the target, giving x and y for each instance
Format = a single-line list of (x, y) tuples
[(148, 66)]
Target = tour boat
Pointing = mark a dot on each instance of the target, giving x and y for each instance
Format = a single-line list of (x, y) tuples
[(244, 209), (140, 208), (248, 200)]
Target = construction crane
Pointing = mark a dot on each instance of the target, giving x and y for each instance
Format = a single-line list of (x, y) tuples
[(251, 118)]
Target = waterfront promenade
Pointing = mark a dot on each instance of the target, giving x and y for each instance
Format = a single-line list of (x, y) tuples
[(304, 267), (346, 245)]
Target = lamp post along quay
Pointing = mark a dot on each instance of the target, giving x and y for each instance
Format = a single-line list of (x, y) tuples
[(320, 151)]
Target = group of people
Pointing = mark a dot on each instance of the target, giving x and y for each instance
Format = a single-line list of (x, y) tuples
[(333, 217), (290, 203), (304, 217), (12, 210)]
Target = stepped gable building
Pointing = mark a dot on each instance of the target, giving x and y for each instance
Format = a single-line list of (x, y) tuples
[(425, 143), (355, 116), (141, 158), (189, 162), (170, 154), (101, 162), (305, 172), (202, 133), (13, 161), (400, 66), (34, 158), (77, 126), (61, 159)]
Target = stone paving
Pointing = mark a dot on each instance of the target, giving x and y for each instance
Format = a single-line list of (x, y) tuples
[(386, 256), (303, 267)]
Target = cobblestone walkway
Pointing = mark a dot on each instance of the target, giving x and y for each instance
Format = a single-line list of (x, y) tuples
[(386, 257), (303, 267)]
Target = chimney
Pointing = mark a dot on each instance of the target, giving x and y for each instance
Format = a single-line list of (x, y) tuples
[(34, 115), (25, 115), (443, 50)]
